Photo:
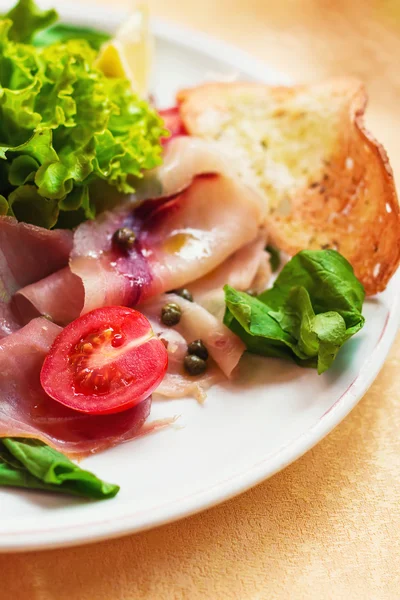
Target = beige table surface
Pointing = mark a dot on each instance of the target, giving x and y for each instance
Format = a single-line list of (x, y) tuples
[(329, 525)]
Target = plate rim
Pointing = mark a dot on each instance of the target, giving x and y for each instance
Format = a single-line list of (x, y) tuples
[(108, 528)]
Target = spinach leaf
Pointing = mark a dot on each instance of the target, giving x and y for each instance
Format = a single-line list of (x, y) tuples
[(313, 308), (29, 463)]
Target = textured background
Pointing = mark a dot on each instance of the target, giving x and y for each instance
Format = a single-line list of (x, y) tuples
[(329, 525)]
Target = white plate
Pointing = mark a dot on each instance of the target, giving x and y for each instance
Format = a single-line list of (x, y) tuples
[(244, 433)]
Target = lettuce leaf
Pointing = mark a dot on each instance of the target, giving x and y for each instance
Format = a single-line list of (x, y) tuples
[(29, 463), (313, 308), (31, 25), (64, 125), (62, 33), (28, 19)]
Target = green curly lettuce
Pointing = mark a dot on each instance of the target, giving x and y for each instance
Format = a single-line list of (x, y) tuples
[(28, 19), (31, 25), (64, 126)]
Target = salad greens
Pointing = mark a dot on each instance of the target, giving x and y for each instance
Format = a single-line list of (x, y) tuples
[(31, 25), (62, 33), (27, 19), (64, 125), (275, 258), (313, 308), (30, 463)]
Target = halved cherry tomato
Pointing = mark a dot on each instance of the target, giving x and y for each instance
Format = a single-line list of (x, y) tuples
[(104, 362), (172, 122)]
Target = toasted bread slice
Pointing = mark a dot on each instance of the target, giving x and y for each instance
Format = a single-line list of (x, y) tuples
[(327, 182)]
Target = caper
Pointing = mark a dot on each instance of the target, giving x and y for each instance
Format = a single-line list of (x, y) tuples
[(171, 314), (197, 348), (183, 293), (194, 365), (124, 238), (48, 317)]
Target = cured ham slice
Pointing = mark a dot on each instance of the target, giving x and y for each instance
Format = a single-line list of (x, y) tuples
[(27, 254), (224, 347), (184, 159), (172, 122), (177, 383), (248, 268), (178, 240), (59, 295), (25, 409)]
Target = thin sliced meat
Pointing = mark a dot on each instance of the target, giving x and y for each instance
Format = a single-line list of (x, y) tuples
[(178, 240), (248, 268), (8, 321), (189, 236), (224, 347), (27, 254), (60, 294), (172, 122), (25, 409), (184, 159), (177, 383)]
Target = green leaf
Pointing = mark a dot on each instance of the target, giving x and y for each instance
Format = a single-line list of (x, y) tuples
[(313, 308), (275, 258), (22, 169), (74, 199), (53, 181), (26, 204), (3, 206), (65, 126), (39, 147), (329, 279), (30, 463), (63, 33), (28, 19)]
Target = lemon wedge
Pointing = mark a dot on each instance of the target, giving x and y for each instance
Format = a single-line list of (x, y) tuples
[(129, 54)]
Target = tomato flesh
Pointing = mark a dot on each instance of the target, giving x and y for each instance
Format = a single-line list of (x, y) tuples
[(104, 362), (172, 122)]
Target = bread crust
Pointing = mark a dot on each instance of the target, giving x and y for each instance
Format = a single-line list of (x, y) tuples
[(352, 206)]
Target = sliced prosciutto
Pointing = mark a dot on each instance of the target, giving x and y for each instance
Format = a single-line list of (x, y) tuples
[(27, 254), (224, 347), (178, 240), (185, 158), (172, 122), (177, 383), (248, 268), (25, 410)]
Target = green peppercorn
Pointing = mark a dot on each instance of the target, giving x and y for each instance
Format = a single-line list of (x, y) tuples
[(183, 293), (194, 365), (124, 238), (171, 314), (197, 348), (47, 316)]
